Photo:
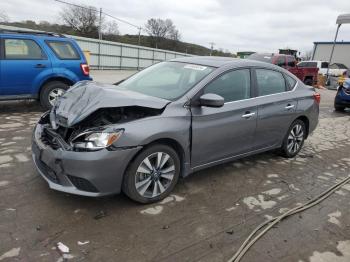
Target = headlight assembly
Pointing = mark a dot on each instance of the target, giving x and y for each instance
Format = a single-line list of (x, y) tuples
[(94, 140)]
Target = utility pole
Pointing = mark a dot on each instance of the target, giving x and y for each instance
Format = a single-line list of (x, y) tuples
[(140, 35), (99, 39), (211, 47)]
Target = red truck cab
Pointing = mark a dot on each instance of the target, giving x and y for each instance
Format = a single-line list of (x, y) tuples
[(307, 75)]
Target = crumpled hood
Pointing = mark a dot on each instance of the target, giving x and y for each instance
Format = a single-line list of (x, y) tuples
[(86, 97)]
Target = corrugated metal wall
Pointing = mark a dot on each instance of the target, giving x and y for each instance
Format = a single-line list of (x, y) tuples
[(341, 53), (114, 55)]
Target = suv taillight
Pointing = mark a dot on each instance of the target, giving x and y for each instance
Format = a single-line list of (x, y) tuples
[(85, 69), (317, 98)]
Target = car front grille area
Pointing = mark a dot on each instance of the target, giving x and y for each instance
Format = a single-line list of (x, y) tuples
[(82, 184), (55, 138)]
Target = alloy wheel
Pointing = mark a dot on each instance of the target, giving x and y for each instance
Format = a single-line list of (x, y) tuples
[(55, 94), (295, 139), (154, 175)]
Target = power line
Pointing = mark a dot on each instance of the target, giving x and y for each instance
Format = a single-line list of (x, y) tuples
[(95, 10), (122, 20)]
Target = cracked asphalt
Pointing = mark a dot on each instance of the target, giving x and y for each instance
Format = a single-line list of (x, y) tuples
[(207, 217)]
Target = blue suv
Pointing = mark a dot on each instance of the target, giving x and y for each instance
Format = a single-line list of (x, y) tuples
[(342, 98), (39, 65)]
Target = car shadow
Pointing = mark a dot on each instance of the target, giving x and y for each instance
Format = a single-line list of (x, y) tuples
[(20, 106)]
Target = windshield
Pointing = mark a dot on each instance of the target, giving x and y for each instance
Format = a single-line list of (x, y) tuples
[(337, 66), (167, 80)]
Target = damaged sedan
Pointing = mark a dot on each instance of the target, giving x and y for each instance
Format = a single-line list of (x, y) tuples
[(167, 121)]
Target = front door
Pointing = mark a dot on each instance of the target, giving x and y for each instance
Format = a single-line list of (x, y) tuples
[(22, 63), (219, 133)]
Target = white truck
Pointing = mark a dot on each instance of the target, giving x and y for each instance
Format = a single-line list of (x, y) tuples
[(335, 69)]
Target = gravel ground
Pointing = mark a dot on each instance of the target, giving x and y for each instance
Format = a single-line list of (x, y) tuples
[(207, 217)]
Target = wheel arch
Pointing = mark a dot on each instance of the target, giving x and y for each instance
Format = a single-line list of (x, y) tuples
[(306, 122), (168, 142), (65, 80)]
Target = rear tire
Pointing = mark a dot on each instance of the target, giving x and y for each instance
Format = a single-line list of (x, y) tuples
[(50, 92), (339, 108), (152, 175), (294, 139)]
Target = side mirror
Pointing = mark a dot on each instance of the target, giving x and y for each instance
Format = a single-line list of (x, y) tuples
[(211, 100)]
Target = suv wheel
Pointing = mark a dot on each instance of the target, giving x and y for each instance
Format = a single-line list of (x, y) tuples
[(339, 108), (152, 175), (294, 139), (50, 92)]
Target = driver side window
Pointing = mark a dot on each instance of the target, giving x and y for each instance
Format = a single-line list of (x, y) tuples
[(232, 86)]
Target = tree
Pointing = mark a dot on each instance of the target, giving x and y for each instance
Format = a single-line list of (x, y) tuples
[(111, 28), (4, 17), (174, 34), (159, 29), (84, 20)]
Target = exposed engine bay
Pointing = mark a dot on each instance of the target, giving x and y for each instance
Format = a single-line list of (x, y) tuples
[(60, 136)]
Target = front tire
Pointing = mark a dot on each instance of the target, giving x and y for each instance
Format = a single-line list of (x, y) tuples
[(50, 92), (152, 175), (294, 139)]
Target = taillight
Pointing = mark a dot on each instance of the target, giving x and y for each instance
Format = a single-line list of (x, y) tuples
[(85, 69), (317, 98)]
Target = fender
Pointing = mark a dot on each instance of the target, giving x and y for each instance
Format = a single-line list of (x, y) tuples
[(41, 80)]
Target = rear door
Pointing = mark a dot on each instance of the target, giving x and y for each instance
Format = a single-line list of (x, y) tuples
[(219, 133), (276, 106), (23, 61)]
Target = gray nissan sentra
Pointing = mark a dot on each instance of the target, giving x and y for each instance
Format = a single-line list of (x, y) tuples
[(169, 120)]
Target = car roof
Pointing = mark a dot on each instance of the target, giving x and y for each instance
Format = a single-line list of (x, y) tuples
[(217, 61), (31, 33)]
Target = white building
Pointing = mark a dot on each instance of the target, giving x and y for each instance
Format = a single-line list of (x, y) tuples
[(322, 51)]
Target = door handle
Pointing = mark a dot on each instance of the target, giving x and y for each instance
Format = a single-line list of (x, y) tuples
[(248, 115), (289, 106), (40, 66)]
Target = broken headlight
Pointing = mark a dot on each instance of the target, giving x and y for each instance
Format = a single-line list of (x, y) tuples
[(94, 140)]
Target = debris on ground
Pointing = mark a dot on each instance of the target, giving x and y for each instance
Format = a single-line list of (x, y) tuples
[(100, 214), (14, 252), (83, 243), (230, 232), (62, 247)]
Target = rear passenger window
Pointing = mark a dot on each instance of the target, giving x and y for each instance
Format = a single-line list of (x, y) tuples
[(291, 82), (22, 49), (270, 82), (232, 86), (324, 65), (64, 50)]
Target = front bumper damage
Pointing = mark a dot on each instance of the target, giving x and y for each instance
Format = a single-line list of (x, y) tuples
[(96, 173)]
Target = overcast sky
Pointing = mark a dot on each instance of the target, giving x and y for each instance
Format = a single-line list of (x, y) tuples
[(239, 25)]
